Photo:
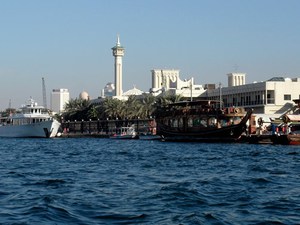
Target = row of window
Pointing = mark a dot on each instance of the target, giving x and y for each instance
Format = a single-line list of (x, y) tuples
[(202, 122), (24, 121), (34, 111), (244, 101)]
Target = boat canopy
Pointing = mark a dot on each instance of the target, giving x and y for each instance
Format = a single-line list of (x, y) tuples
[(293, 118)]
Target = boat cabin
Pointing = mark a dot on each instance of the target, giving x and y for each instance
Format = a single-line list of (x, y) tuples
[(29, 114), (200, 114)]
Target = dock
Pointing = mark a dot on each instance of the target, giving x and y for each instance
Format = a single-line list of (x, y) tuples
[(104, 128)]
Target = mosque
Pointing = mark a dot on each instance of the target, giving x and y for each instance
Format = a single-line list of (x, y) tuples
[(163, 81), (272, 96)]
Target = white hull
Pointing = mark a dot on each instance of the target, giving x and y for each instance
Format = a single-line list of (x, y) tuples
[(124, 136), (43, 129)]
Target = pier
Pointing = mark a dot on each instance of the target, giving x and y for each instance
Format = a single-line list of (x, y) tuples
[(105, 128)]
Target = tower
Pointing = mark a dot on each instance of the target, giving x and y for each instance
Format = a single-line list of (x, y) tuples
[(59, 99), (118, 53), (236, 79)]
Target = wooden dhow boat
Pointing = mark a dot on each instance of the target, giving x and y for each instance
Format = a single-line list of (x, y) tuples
[(202, 121)]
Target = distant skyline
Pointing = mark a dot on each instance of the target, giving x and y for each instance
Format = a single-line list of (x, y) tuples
[(69, 43)]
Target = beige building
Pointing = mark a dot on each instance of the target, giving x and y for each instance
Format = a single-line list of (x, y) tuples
[(274, 96), (169, 81), (236, 79)]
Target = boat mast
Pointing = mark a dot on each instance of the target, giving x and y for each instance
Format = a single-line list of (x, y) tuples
[(220, 92), (9, 107), (191, 86)]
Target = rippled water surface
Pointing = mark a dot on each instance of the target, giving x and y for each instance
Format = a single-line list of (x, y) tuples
[(104, 181)]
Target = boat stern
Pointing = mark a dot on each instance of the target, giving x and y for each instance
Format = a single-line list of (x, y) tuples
[(54, 128)]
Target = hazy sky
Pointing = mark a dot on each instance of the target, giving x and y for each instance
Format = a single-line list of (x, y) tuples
[(68, 42)]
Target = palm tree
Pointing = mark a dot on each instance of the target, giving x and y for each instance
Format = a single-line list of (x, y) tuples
[(111, 108), (131, 107), (76, 109), (146, 106), (163, 101), (93, 112)]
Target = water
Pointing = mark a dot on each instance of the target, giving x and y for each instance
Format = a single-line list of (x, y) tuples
[(104, 181)]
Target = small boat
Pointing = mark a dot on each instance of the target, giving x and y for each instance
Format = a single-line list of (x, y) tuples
[(286, 139), (288, 131), (149, 136), (125, 133), (201, 120), (31, 121)]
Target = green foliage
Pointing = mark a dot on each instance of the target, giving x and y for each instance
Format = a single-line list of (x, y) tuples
[(112, 108)]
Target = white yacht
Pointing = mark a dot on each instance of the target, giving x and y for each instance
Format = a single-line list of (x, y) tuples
[(31, 121)]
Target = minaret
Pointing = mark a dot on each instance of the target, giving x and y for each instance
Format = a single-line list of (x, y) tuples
[(118, 53)]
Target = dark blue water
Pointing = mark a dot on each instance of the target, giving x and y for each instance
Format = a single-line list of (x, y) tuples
[(104, 181)]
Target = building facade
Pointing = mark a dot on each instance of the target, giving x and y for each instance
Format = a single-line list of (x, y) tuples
[(274, 96), (236, 79), (59, 98), (169, 81)]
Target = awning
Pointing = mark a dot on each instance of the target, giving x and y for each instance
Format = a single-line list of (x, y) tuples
[(293, 117)]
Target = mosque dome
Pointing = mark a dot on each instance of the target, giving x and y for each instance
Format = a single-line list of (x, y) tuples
[(84, 95), (133, 91)]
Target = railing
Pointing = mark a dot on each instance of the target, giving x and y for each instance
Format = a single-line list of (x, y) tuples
[(246, 103), (105, 127)]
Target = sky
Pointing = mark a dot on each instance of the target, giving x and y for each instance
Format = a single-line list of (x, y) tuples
[(68, 42)]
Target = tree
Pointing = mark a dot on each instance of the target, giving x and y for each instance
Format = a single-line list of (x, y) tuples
[(93, 112), (76, 109), (146, 106), (111, 108), (131, 107)]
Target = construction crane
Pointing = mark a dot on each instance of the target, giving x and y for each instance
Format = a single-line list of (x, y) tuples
[(44, 93)]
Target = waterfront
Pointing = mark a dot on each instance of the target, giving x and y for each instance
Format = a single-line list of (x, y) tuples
[(104, 181)]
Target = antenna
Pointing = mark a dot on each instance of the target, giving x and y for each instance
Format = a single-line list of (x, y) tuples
[(44, 93), (220, 92), (9, 107), (236, 67)]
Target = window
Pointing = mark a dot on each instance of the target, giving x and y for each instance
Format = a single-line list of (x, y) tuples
[(270, 97), (180, 123), (174, 123), (257, 99), (190, 122), (287, 97), (212, 121)]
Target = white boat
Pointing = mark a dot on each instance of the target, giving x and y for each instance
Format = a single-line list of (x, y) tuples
[(31, 121), (125, 133)]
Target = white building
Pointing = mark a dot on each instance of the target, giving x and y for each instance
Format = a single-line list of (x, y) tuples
[(108, 91), (236, 79), (274, 96), (169, 81), (59, 97)]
